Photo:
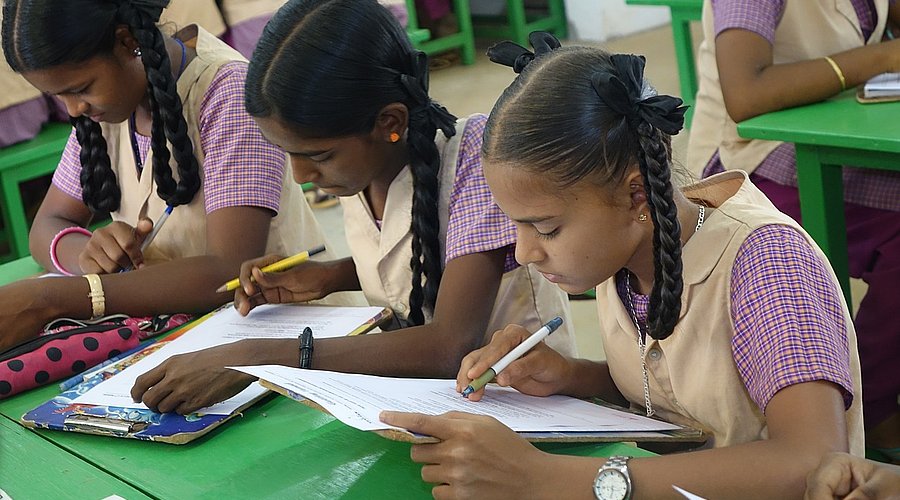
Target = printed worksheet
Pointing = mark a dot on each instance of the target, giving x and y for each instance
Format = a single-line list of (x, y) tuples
[(357, 400), (226, 326)]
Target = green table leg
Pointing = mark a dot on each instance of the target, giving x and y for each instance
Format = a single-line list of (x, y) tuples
[(515, 12), (822, 210), (684, 55)]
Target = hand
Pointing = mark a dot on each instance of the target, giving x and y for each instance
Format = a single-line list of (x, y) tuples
[(187, 382), (308, 281), (841, 475), (114, 247), (478, 457), (25, 311), (540, 372)]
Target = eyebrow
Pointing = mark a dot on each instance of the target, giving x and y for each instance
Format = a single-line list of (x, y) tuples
[(74, 88), (533, 220)]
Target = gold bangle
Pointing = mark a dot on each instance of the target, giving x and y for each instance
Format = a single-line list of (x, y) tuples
[(98, 299), (838, 72)]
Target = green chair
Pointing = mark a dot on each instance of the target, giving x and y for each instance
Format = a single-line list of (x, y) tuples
[(464, 39), (517, 24), (20, 163)]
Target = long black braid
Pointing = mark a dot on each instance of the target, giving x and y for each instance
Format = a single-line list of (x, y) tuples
[(592, 114), (328, 67), (39, 34)]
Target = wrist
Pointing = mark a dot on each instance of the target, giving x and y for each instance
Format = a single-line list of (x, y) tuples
[(269, 351), (563, 476), (340, 276), (56, 244)]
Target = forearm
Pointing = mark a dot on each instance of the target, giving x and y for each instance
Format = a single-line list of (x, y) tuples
[(761, 469), (422, 351), (592, 379), (343, 275), (752, 91), (68, 248)]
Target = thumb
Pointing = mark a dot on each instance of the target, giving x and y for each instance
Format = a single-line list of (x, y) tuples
[(143, 228)]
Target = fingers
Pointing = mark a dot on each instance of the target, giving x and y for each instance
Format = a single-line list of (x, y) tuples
[(146, 381), (115, 247), (429, 425), (246, 268), (501, 343)]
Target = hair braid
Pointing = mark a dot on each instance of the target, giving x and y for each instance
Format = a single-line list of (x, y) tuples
[(99, 187), (168, 123), (426, 249), (665, 298)]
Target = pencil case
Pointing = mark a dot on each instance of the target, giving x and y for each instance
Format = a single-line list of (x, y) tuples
[(67, 347)]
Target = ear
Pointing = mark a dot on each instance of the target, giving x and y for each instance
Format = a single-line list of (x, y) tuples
[(633, 184), (125, 42), (392, 119)]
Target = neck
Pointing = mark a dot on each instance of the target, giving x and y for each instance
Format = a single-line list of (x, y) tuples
[(376, 192), (642, 263)]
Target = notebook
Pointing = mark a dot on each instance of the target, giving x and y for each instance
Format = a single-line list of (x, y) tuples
[(882, 88)]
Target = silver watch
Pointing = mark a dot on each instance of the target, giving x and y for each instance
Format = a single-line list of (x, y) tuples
[(613, 481)]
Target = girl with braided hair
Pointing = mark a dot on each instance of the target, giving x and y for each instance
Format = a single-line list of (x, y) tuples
[(336, 84), (576, 152), (158, 122)]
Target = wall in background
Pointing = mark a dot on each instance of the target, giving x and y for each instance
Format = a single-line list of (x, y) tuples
[(601, 20)]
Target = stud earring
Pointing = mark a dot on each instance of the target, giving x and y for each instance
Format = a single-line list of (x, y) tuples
[(137, 52), (394, 137), (642, 217)]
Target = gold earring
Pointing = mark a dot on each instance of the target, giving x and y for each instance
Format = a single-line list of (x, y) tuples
[(642, 217), (395, 137)]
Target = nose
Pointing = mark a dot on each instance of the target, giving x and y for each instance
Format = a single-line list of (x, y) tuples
[(74, 106), (303, 170), (528, 249)]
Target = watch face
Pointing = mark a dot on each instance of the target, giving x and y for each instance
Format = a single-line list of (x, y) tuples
[(611, 485)]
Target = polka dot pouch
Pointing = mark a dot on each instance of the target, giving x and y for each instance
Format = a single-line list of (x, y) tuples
[(69, 347)]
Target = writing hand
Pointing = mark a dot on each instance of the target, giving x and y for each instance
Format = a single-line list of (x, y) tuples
[(540, 372), (114, 247), (305, 282)]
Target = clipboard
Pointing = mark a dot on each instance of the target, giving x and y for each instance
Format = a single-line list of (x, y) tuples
[(62, 414), (682, 435)]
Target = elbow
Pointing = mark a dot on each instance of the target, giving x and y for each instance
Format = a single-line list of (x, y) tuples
[(740, 109), (450, 354)]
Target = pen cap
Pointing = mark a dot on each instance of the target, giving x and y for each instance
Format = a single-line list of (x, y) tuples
[(554, 323)]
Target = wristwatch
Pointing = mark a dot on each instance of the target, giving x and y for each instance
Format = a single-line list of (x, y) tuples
[(613, 481)]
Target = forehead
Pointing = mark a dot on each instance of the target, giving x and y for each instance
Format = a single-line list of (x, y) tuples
[(65, 77), (289, 137), (520, 192)]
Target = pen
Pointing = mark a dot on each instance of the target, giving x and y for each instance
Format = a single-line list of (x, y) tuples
[(156, 227), (281, 265), (513, 355)]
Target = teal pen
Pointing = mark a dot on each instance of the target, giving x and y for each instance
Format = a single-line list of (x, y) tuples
[(513, 355)]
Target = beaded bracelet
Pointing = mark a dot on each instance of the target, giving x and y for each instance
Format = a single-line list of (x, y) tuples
[(306, 348), (55, 242)]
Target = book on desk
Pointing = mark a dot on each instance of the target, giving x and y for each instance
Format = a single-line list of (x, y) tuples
[(882, 88), (102, 404)]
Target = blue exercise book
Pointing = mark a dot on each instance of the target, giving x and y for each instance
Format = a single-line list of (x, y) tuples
[(62, 415)]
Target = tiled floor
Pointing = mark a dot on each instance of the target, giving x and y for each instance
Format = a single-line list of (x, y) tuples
[(473, 89)]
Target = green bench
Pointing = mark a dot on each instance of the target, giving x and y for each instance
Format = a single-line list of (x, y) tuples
[(464, 39), (20, 163), (683, 12), (518, 24)]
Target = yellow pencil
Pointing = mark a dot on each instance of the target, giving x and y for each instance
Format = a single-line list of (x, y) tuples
[(281, 265)]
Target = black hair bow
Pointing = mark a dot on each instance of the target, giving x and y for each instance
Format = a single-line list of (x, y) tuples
[(622, 91), (152, 8), (517, 57), (416, 85)]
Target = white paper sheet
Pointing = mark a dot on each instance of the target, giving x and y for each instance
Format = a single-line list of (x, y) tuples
[(687, 494), (226, 326), (357, 400), (883, 85)]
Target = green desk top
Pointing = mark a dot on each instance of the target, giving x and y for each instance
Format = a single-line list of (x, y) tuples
[(837, 122), (278, 448)]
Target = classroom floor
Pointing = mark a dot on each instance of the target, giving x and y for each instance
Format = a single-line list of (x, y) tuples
[(473, 89)]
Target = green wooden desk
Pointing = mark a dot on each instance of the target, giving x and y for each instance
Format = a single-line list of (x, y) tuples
[(683, 12), (827, 135), (517, 24), (277, 449)]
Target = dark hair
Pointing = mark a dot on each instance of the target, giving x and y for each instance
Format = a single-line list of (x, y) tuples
[(328, 67), (40, 34), (579, 112)]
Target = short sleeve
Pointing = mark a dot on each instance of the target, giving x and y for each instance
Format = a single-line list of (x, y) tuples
[(788, 316), (476, 224), (759, 16), (240, 168), (67, 177)]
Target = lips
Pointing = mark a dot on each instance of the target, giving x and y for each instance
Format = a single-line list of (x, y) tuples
[(552, 278)]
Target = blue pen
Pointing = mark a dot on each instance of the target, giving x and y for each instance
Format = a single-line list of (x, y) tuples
[(156, 227), (69, 383)]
